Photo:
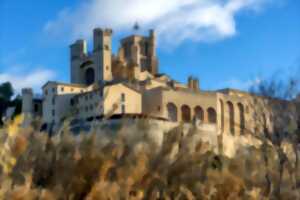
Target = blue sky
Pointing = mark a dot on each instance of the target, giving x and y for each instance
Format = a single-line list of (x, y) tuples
[(225, 43)]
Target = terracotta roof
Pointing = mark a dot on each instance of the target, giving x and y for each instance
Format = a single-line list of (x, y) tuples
[(66, 84)]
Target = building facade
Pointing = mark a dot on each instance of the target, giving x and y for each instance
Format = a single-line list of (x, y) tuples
[(128, 83)]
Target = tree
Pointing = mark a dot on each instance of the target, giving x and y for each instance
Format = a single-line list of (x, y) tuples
[(6, 91), (17, 103), (288, 91)]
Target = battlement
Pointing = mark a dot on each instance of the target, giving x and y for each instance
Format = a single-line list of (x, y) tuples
[(137, 38), (105, 32), (27, 91)]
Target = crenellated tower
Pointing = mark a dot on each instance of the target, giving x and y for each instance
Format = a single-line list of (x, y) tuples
[(140, 51), (102, 54)]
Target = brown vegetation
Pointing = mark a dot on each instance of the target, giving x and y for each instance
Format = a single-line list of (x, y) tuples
[(94, 166)]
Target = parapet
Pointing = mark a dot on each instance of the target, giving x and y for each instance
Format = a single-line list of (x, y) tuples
[(27, 91), (104, 32)]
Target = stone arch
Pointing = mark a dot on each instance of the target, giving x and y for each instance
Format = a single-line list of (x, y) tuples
[(86, 64), (222, 114), (212, 115), (172, 112), (199, 113), (89, 76), (231, 117), (241, 118), (185, 113)]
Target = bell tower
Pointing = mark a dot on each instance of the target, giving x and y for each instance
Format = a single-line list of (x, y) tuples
[(102, 54), (141, 51)]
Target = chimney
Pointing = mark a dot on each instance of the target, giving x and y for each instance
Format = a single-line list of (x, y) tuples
[(193, 83), (190, 82), (196, 84)]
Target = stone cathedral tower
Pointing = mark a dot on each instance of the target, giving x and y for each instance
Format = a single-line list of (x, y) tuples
[(140, 51), (102, 54)]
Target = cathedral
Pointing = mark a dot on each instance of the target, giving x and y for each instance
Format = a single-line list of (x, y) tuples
[(107, 85)]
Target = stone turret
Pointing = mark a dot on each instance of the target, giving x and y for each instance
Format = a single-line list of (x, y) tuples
[(27, 101), (152, 43), (152, 50)]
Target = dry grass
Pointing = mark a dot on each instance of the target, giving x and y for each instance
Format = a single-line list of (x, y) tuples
[(34, 166)]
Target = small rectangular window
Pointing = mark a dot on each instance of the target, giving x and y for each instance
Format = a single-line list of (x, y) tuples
[(122, 97), (53, 113), (146, 48), (53, 90), (127, 50), (123, 109), (36, 108), (46, 92), (53, 101), (62, 89)]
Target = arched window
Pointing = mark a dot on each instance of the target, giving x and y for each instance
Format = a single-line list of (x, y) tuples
[(186, 113), (89, 76), (172, 112), (242, 118), (36, 107), (199, 114), (212, 115), (222, 115), (231, 117), (264, 118)]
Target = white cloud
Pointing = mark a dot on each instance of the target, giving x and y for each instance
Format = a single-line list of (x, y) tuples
[(174, 20), (33, 79), (240, 84)]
